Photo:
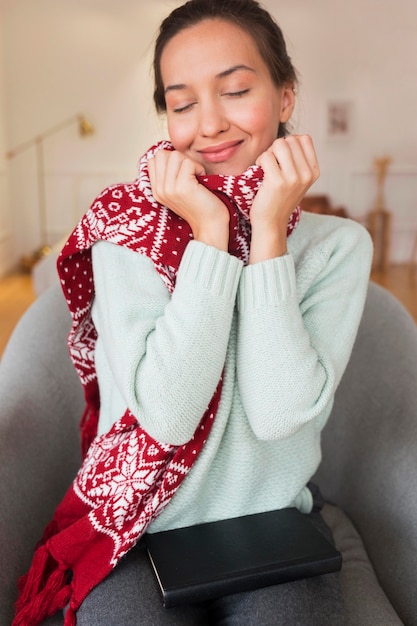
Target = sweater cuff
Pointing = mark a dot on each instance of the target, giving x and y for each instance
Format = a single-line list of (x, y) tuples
[(212, 269), (267, 283)]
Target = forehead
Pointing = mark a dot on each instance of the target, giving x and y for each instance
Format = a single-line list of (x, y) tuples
[(209, 45)]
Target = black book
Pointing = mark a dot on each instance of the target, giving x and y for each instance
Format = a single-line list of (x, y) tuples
[(214, 559)]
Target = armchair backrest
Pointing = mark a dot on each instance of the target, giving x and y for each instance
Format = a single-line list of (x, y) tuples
[(369, 462)]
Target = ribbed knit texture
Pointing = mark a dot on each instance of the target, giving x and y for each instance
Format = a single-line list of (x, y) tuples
[(190, 444), (285, 327), (127, 477)]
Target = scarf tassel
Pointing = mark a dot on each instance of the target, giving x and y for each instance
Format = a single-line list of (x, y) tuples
[(70, 618), (44, 590)]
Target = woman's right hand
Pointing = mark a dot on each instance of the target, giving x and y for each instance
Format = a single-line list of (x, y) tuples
[(174, 183)]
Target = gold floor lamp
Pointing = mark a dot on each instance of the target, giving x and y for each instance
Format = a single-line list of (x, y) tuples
[(85, 128)]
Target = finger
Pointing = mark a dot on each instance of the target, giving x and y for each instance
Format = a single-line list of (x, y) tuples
[(297, 158), (303, 152), (287, 158), (171, 169), (155, 170), (174, 177), (296, 165), (190, 169), (153, 177), (268, 161), (310, 153), (165, 171)]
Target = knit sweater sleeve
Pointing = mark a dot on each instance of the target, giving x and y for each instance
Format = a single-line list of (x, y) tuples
[(297, 327), (164, 353)]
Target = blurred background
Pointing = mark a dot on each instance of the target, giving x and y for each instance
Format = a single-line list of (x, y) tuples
[(63, 58)]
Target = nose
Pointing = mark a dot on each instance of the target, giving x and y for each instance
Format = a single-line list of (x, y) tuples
[(212, 118)]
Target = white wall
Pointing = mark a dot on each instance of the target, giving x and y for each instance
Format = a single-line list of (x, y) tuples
[(363, 52), (62, 57), (7, 255), (68, 56)]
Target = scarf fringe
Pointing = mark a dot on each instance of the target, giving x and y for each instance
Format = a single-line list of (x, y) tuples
[(44, 590), (70, 618), (83, 543)]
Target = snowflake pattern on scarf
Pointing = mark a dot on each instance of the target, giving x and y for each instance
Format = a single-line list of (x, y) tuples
[(127, 477)]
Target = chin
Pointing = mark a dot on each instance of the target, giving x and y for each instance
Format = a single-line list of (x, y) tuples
[(226, 169)]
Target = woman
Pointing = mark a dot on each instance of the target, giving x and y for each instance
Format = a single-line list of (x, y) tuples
[(254, 318)]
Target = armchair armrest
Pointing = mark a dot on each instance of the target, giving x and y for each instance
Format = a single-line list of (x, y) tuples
[(41, 402), (369, 463)]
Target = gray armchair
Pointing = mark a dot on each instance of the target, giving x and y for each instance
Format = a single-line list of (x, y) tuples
[(369, 468)]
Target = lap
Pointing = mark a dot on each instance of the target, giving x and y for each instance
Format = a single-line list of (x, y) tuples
[(130, 596)]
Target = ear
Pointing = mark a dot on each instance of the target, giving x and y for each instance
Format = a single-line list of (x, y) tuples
[(287, 102)]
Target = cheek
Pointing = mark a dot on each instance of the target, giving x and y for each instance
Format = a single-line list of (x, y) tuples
[(268, 120), (262, 122), (180, 133)]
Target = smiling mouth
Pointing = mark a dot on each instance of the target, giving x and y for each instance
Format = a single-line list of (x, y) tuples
[(221, 152)]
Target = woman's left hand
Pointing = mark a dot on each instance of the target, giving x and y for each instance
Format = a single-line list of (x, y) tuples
[(290, 168)]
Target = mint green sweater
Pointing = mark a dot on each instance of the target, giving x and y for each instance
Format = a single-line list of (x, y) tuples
[(281, 330)]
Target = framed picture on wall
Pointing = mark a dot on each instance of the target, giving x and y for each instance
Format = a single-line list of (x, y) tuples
[(339, 119)]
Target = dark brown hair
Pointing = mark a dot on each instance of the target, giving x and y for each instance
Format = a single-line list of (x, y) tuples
[(247, 15)]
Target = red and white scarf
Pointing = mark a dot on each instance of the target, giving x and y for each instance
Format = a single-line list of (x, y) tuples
[(127, 478)]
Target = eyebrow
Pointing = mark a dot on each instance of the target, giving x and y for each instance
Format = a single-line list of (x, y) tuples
[(224, 74)]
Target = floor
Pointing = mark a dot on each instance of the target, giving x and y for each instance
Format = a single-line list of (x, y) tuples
[(16, 295), (400, 280)]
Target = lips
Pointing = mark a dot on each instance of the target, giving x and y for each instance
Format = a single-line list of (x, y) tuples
[(221, 152)]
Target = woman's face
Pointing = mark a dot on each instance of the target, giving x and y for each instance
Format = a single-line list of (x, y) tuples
[(223, 109)]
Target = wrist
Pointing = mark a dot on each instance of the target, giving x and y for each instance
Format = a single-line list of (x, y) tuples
[(213, 233), (267, 243)]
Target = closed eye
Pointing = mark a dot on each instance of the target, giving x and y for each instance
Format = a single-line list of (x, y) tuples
[(184, 108), (237, 94), (231, 94)]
